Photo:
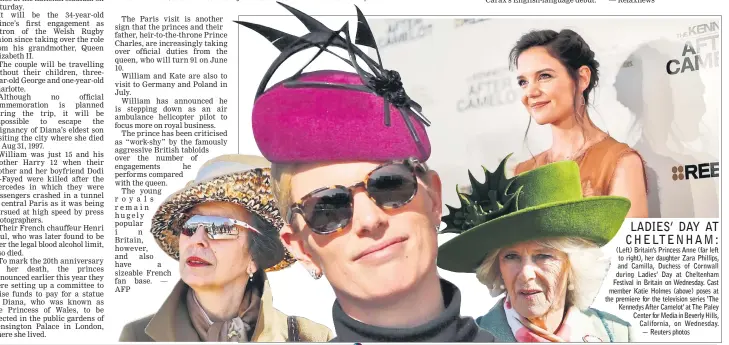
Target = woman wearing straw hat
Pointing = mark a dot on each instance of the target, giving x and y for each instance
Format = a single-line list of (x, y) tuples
[(223, 229), (537, 240)]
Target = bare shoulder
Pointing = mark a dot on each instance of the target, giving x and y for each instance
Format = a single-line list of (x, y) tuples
[(629, 174), (630, 163)]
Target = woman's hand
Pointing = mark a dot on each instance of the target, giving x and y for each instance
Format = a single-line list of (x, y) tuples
[(629, 181)]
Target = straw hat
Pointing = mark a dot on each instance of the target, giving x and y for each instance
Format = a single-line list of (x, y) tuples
[(239, 179)]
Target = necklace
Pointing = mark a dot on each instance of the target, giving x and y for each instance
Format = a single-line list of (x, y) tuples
[(576, 154), (550, 158), (568, 157)]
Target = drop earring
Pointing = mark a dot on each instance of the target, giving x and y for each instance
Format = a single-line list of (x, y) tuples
[(251, 277), (314, 274), (583, 105)]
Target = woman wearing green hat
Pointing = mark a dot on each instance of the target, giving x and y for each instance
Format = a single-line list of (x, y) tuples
[(536, 239)]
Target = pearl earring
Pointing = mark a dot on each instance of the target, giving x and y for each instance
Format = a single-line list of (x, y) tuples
[(501, 286), (571, 287), (251, 276)]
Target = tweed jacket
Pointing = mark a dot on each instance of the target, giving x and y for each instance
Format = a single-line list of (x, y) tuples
[(595, 323), (172, 323)]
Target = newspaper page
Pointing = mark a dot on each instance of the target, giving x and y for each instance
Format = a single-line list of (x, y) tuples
[(124, 122)]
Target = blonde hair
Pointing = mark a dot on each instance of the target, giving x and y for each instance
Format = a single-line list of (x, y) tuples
[(281, 175), (588, 266)]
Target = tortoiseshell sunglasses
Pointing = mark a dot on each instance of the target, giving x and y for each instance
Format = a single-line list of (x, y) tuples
[(329, 209)]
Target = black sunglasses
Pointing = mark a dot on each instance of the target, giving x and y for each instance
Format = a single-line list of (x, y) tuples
[(329, 209)]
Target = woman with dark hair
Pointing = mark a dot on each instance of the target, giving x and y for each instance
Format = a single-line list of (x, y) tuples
[(557, 72)]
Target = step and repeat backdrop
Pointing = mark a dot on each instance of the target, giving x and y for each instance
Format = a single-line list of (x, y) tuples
[(658, 92)]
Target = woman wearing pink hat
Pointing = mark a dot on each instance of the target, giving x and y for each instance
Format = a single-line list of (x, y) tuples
[(359, 204)]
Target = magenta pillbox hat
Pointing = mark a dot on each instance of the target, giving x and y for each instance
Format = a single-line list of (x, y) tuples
[(310, 124), (331, 115)]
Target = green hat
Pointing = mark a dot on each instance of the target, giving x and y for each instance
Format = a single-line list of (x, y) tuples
[(545, 202)]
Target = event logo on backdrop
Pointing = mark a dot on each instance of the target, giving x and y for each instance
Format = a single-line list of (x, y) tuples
[(698, 30), (405, 30), (695, 171), (701, 50), (468, 21), (489, 89)]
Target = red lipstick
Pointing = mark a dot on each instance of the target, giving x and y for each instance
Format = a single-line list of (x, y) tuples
[(195, 261)]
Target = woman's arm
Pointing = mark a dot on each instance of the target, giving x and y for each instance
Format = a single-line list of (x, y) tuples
[(629, 181)]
